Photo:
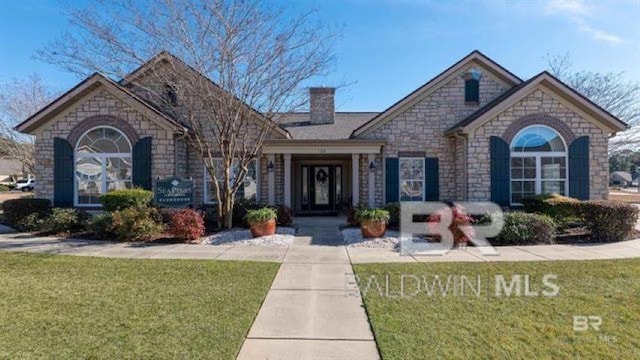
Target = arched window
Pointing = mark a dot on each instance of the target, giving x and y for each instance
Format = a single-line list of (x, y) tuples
[(538, 163), (102, 164)]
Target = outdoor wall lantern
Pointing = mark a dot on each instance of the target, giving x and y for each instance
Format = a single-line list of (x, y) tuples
[(372, 166), (270, 166)]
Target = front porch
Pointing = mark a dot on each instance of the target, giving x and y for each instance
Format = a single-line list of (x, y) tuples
[(323, 177)]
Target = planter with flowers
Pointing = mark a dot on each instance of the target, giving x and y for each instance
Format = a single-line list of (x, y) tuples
[(262, 222), (373, 222)]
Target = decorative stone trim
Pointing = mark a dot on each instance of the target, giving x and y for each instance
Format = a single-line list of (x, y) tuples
[(411, 154), (539, 119), (101, 120)]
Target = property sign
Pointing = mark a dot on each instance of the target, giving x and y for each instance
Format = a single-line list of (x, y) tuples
[(174, 192)]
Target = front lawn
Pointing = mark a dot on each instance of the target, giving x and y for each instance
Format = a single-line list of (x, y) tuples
[(81, 307), (464, 325)]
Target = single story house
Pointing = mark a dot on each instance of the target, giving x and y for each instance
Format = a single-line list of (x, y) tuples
[(620, 178), (475, 132)]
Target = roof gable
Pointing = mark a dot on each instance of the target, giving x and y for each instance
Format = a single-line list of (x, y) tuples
[(551, 83), (87, 87), (165, 56), (434, 84)]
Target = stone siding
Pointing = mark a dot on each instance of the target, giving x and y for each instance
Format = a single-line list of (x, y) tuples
[(363, 173), (421, 127), (542, 104), (99, 108)]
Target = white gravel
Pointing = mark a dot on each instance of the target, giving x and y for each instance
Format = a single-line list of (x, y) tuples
[(353, 238), (242, 237)]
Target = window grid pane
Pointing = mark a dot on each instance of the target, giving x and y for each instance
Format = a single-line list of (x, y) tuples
[(103, 163), (411, 179), (250, 187), (528, 180)]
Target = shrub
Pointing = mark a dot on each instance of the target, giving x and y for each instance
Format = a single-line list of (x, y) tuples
[(352, 214), (373, 215), (394, 214), (124, 199), (260, 215), (100, 225), (240, 209), (4, 188), (134, 224), (284, 215), (522, 228), (557, 206), (16, 209), (30, 222), (609, 220), (210, 215), (186, 224), (61, 221), (459, 219)]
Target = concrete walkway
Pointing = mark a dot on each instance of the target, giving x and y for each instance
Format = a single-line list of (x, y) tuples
[(595, 251), (312, 311)]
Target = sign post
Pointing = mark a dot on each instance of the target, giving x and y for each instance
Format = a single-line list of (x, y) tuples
[(174, 192)]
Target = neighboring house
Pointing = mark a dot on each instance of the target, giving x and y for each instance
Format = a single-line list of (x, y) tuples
[(620, 178), (475, 132), (10, 170)]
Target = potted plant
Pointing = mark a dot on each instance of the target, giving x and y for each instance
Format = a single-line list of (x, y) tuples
[(262, 222), (373, 222)]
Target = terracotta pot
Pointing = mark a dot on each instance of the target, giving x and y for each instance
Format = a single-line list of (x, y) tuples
[(263, 228), (373, 229)]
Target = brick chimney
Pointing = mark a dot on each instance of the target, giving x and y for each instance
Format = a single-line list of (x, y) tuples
[(322, 105)]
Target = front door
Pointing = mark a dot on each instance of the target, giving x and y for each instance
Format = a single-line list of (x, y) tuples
[(318, 187)]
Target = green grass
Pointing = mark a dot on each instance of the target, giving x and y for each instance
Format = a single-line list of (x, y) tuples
[(75, 307), (491, 327)]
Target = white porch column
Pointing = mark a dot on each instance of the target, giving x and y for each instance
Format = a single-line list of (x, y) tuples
[(355, 178), (287, 180), (271, 180), (372, 181)]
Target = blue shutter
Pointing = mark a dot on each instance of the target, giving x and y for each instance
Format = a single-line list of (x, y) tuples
[(142, 164), (392, 182), (431, 180), (500, 165), (62, 173), (579, 168), (472, 90)]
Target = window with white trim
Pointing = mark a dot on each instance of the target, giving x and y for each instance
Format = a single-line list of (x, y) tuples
[(102, 164), (248, 190), (411, 179), (538, 163)]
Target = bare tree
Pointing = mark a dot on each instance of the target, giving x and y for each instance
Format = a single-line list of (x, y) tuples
[(611, 91), (230, 68), (19, 99)]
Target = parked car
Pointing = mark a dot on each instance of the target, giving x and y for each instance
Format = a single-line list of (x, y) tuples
[(25, 184)]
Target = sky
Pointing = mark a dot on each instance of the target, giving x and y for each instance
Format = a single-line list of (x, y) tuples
[(388, 48)]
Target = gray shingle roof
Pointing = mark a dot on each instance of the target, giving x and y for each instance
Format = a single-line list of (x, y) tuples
[(300, 127), (622, 174)]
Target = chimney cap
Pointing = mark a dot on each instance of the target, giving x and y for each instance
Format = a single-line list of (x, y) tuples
[(322, 90)]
